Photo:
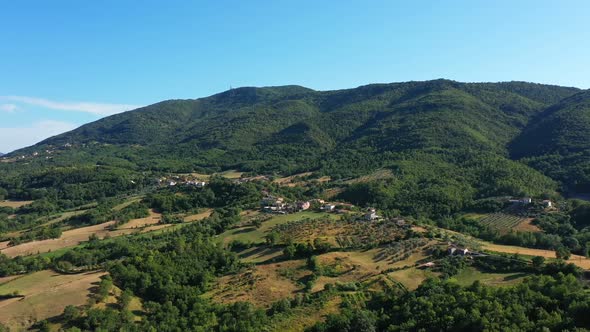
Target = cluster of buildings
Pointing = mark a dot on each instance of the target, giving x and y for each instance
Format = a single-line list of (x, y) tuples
[(527, 200), (180, 180), (278, 205)]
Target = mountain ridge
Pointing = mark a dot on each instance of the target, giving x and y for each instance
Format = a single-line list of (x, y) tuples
[(445, 142)]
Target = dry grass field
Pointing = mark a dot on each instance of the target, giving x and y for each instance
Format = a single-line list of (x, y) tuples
[(153, 219), (580, 261), (527, 226), (198, 216), (46, 294), (262, 284), (74, 237), (69, 238), (15, 204)]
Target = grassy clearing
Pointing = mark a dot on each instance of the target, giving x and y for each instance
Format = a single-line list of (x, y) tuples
[(412, 277), (262, 284), (260, 254), (290, 179), (46, 294), (199, 216), (527, 226), (153, 219), (252, 234), (231, 174), (475, 216), (304, 317), (125, 204), (468, 275), (68, 239), (377, 175), (14, 204)]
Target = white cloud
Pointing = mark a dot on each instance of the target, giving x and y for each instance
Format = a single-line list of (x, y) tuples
[(87, 107), (8, 107), (13, 138)]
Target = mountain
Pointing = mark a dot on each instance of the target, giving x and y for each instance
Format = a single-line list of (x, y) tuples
[(1, 154), (298, 126), (445, 142), (557, 142)]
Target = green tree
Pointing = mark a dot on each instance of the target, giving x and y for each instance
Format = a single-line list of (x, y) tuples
[(538, 261), (290, 251)]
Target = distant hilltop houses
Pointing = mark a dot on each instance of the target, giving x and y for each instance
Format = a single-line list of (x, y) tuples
[(48, 153), (279, 205), (178, 180)]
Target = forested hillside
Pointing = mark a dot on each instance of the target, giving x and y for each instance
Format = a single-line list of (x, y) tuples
[(557, 142), (445, 142)]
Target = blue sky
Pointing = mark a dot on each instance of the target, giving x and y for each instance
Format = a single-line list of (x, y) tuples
[(65, 63)]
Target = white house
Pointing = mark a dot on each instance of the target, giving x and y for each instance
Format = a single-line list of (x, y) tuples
[(371, 215), (328, 207)]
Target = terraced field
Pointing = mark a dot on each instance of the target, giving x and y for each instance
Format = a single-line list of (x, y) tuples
[(503, 221)]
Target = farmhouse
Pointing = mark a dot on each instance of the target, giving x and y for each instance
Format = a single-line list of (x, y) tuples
[(273, 204), (459, 251), (371, 215), (328, 207), (523, 201), (426, 265)]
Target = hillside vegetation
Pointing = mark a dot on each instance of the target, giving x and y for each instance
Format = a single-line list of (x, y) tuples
[(445, 143), (557, 142), (418, 206)]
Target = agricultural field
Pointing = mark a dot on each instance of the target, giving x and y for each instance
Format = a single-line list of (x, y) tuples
[(256, 235), (45, 294), (341, 233), (503, 222), (578, 260)]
